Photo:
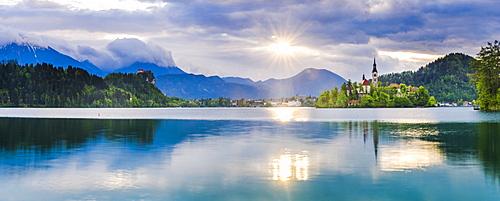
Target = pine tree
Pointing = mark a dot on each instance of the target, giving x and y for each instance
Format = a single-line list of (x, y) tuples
[(487, 76)]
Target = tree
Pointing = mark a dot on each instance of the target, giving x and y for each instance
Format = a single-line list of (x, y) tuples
[(487, 76), (432, 102), (341, 100), (402, 102), (422, 96), (367, 101), (323, 99)]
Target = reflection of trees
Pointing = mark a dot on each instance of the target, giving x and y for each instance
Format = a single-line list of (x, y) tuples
[(45, 134), (489, 149)]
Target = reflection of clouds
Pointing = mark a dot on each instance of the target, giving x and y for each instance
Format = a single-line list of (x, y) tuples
[(193, 166), (232, 160), (411, 155), (98, 176), (290, 166)]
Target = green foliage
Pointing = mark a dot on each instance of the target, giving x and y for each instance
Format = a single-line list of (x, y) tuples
[(446, 78), (388, 96), (486, 76), (44, 85), (432, 102), (219, 102)]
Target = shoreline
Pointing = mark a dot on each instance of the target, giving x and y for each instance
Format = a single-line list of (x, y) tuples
[(283, 114)]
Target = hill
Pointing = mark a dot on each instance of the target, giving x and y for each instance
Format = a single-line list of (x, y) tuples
[(31, 54), (43, 85), (446, 78)]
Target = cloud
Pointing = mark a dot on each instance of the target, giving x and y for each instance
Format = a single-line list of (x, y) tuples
[(125, 52), (222, 36), (117, 54), (128, 51)]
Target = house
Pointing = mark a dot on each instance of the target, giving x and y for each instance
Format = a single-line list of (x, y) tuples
[(352, 102), (148, 75)]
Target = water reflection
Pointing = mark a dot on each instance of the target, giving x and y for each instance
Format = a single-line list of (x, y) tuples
[(286, 114), (289, 166), (410, 155), (46, 134), (489, 153), (238, 160)]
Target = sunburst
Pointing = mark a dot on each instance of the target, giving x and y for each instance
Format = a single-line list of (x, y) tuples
[(283, 48)]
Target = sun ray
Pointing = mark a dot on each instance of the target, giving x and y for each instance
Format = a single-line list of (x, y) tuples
[(282, 47)]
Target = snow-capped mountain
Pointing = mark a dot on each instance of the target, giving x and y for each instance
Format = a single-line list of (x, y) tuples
[(26, 53)]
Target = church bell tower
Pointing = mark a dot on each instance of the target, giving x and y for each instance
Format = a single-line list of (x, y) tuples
[(374, 74)]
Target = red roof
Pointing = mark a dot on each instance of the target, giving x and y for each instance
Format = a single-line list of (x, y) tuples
[(394, 84), (352, 101), (365, 82), (140, 71), (413, 89)]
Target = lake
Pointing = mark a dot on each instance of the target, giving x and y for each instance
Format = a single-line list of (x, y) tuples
[(448, 153)]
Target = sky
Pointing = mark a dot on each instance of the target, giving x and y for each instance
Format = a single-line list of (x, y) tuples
[(258, 39)]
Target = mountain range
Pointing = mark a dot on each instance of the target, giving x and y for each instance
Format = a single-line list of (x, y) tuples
[(173, 81)]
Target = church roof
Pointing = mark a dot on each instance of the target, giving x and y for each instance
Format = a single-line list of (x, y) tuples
[(365, 82), (374, 66)]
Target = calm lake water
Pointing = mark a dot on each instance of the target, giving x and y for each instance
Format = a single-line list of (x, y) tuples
[(249, 154)]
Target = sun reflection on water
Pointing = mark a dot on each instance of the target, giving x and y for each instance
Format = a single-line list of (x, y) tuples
[(289, 166), (286, 114), (412, 155)]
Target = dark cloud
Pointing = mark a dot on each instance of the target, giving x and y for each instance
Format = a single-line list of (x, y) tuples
[(225, 33)]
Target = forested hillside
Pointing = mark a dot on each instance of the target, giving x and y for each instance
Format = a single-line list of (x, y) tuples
[(43, 85), (446, 78)]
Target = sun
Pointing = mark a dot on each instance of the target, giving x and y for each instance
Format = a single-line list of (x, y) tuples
[(282, 48)]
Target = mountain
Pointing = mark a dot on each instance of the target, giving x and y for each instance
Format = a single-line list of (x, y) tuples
[(308, 82), (31, 54), (157, 70), (175, 82), (191, 86), (239, 80), (446, 78)]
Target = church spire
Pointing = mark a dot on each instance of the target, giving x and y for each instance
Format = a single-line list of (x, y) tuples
[(374, 73)]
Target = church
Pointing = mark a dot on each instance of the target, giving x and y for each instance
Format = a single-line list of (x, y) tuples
[(365, 84)]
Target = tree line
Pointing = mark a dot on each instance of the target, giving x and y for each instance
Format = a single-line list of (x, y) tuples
[(43, 85), (487, 76)]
